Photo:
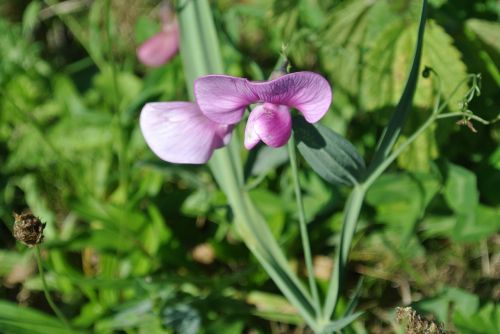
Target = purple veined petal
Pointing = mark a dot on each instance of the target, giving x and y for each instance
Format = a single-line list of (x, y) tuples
[(178, 132), (308, 92), (223, 98), (161, 47), (270, 123)]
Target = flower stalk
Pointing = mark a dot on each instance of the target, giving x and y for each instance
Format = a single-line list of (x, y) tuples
[(46, 292), (303, 227)]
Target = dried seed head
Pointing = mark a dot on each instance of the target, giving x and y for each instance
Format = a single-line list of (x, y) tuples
[(28, 229), (413, 323)]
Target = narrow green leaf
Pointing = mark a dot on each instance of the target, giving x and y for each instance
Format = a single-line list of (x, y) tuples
[(353, 302), (30, 17), (333, 157), (22, 320), (398, 119), (337, 325)]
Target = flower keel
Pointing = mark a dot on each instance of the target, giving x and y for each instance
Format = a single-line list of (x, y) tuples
[(270, 123)]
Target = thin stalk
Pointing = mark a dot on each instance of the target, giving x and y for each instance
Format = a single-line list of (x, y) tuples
[(52, 305), (303, 227), (383, 166), (462, 114), (352, 210)]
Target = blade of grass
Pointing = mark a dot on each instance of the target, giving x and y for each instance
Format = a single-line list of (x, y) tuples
[(399, 117)]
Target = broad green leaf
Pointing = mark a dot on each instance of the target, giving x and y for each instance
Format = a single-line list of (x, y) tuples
[(449, 300), (342, 44), (460, 190), (441, 54), (486, 320), (438, 226), (330, 155), (481, 223), (400, 201), (388, 59), (463, 301)]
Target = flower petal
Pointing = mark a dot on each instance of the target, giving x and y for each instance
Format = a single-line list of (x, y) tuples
[(160, 48), (270, 123), (308, 92), (223, 98), (178, 132)]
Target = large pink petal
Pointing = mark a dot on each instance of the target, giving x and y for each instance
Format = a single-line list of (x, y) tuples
[(308, 92), (160, 48), (178, 132), (223, 98), (270, 123)]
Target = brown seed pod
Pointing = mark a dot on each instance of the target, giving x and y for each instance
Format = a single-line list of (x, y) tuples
[(28, 229)]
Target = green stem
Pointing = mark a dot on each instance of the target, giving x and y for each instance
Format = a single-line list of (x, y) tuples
[(303, 227), (352, 210), (52, 305), (461, 114)]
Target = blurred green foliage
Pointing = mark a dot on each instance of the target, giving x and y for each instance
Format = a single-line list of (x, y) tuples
[(136, 245)]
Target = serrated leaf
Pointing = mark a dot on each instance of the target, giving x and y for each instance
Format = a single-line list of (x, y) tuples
[(330, 155), (387, 61)]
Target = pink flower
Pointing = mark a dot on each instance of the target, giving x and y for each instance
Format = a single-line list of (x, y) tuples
[(223, 99), (178, 132), (161, 47), (185, 132)]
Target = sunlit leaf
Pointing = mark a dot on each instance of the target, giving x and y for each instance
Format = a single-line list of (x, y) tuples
[(460, 189)]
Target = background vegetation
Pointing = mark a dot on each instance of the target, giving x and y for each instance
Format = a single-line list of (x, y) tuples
[(136, 245)]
